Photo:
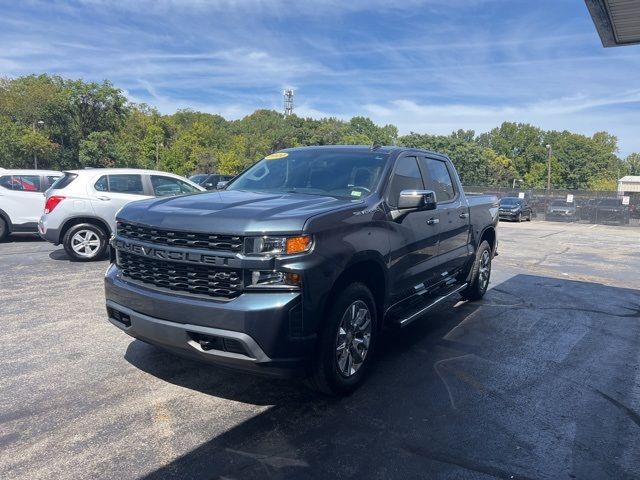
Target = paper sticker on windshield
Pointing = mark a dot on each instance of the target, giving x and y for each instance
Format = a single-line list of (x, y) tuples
[(356, 193), (273, 156)]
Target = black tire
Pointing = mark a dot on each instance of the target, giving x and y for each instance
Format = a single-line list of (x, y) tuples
[(92, 233), (327, 376), (529, 217), (4, 230), (519, 217), (479, 284)]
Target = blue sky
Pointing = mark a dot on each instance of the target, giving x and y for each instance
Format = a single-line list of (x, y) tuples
[(430, 66)]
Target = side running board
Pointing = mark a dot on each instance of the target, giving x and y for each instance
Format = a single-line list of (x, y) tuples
[(409, 314)]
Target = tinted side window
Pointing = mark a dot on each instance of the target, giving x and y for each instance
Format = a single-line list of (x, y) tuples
[(131, 184), (126, 184), (102, 185), (163, 186), (24, 183), (442, 183), (406, 177), (5, 182)]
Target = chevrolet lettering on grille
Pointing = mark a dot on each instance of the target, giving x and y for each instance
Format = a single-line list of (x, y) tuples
[(163, 254)]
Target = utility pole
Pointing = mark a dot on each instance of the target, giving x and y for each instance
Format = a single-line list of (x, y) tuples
[(288, 102), (35, 154), (549, 150)]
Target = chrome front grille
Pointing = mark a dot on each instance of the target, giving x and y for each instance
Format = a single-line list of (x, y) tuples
[(207, 241), (181, 277)]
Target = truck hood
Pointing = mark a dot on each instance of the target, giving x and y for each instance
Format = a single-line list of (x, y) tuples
[(233, 212)]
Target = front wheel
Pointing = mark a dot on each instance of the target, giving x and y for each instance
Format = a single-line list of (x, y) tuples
[(480, 275), (85, 242), (519, 219), (345, 346)]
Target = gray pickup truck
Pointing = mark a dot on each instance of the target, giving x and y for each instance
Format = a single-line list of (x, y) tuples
[(298, 265)]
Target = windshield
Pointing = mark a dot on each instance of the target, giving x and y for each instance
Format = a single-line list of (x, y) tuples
[(315, 172), (63, 181), (198, 178), (510, 202)]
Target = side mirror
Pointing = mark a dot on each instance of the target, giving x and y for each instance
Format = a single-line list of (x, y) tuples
[(208, 185), (221, 185), (417, 200)]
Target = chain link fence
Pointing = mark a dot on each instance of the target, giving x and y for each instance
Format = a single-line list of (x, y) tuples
[(574, 206)]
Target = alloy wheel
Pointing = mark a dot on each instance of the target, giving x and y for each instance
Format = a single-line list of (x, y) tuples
[(353, 338), (485, 270), (85, 243)]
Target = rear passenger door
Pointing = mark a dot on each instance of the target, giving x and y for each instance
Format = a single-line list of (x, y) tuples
[(109, 193), (22, 198), (453, 213)]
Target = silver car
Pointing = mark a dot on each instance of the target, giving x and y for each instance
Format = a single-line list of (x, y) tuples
[(81, 206)]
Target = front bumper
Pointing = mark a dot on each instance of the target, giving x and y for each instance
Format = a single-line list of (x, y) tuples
[(508, 215), (560, 215), (254, 332)]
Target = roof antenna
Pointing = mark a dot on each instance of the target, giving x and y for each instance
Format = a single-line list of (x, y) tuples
[(375, 146)]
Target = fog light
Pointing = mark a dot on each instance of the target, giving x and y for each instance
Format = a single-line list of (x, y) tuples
[(270, 278)]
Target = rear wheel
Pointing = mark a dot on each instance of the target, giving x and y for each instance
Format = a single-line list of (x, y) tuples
[(345, 346), (85, 242), (4, 230), (480, 275)]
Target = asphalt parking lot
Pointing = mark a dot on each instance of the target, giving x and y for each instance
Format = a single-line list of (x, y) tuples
[(539, 380)]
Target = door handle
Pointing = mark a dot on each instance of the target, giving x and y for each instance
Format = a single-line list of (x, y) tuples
[(104, 199), (464, 215), (433, 221)]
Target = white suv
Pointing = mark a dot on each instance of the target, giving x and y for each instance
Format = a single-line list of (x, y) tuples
[(80, 210), (21, 199)]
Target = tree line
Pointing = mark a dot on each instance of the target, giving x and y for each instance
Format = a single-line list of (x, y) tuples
[(67, 124)]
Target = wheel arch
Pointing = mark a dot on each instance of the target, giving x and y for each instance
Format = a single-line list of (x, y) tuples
[(368, 269), (83, 219), (489, 234), (5, 216)]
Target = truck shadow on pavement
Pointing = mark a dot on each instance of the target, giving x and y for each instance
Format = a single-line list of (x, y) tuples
[(539, 380)]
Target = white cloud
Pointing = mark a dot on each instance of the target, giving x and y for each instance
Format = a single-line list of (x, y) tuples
[(581, 115)]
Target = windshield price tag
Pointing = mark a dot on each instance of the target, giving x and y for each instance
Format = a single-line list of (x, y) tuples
[(625, 200), (569, 198), (520, 194)]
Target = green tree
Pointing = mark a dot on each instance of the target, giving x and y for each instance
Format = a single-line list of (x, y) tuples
[(232, 159), (99, 151), (632, 164)]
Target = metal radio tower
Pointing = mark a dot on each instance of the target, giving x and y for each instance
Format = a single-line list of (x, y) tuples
[(288, 102)]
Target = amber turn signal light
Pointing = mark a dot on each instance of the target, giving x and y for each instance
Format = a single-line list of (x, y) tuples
[(298, 244)]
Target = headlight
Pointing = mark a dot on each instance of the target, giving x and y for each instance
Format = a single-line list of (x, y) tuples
[(273, 279), (277, 245)]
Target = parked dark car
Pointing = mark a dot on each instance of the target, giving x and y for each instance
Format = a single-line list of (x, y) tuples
[(210, 181), (561, 210), (297, 265), (515, 209), (610, 210)]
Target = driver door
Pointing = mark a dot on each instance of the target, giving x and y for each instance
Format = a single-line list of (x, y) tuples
[(414, 236)]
